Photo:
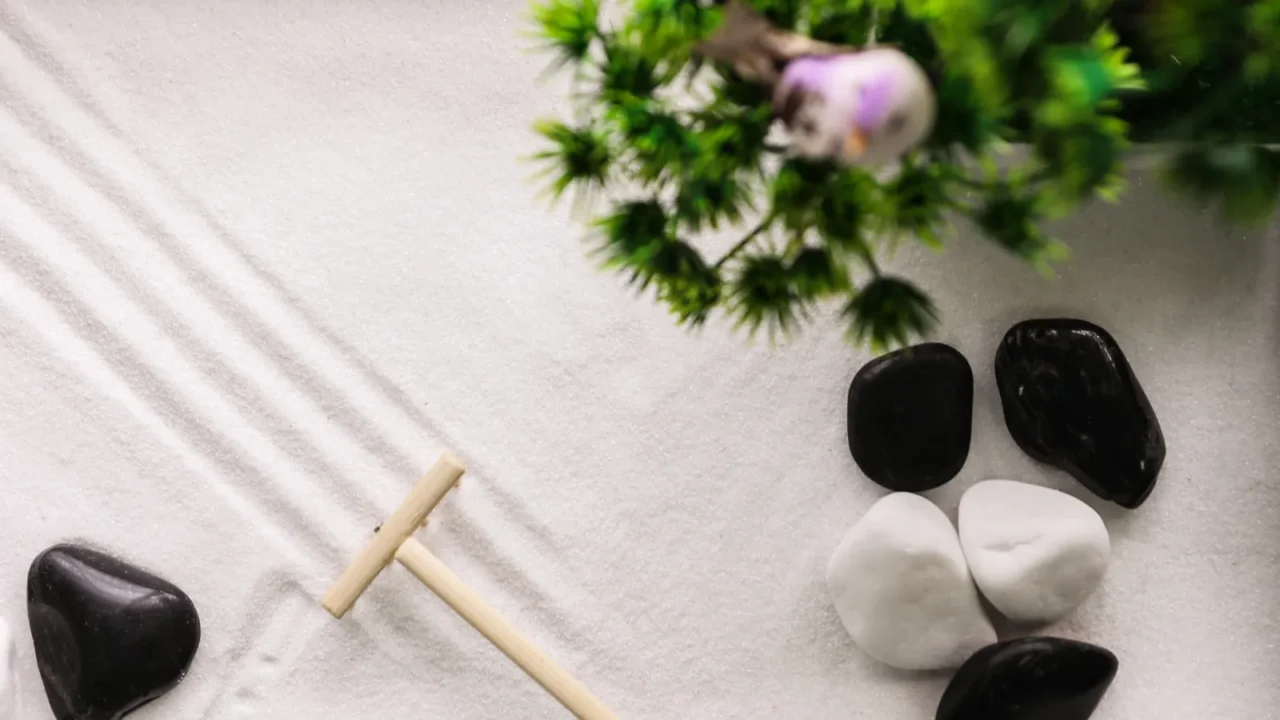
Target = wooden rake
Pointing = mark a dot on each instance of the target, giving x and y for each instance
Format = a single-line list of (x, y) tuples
[(394, 540)]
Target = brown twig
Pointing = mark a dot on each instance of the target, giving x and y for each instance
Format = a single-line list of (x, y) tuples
[(755, 49)]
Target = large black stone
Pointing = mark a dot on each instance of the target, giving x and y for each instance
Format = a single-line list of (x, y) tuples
[(910, 417), (1036, 678), (1072, 401), (108, 636)]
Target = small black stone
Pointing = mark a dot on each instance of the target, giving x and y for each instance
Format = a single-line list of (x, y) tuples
[(1072, 401), (108, 636), (1035, 678), (910, 417)]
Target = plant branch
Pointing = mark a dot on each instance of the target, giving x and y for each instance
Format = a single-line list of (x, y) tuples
[(868, 257), (744, 242)]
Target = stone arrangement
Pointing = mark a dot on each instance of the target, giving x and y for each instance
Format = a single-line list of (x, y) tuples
[(906, 584), (109, 637)]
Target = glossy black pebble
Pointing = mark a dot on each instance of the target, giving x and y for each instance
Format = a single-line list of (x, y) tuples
[(108, 636), (1036, 678), (910, 417), (1072, 401)]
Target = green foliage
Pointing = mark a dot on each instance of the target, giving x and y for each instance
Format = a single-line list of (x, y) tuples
[(567, 27), (916, 201), (679, 147), (763, 293), (578, 156), (627, 73), (659, 145), (816, 274), (1243, 179), (1011, 215), (667, 30), (888, 312)]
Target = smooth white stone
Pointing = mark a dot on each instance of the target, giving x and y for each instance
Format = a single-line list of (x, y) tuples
[(902, 588), (8, 675), (1035, 553)]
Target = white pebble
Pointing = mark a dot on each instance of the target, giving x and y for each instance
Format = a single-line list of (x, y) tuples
[(1036, 553), (902, 588)]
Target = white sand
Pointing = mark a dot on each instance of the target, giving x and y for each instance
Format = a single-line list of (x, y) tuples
[(260, 262)]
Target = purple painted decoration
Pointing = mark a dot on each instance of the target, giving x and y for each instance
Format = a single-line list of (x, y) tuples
[(877, 97)]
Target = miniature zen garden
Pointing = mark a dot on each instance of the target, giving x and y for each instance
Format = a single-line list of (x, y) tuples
[(827, 130), (830, 131)]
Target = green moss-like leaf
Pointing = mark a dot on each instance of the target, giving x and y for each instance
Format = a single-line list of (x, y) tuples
[(636, 241), (692, 297), (688, 286), (833, 200), (1012, 217), (1080, 160), (710, 199), (1244, 180), (817, 273), (797, 190), (847, 200), (580, 156), (841, 23), (888, 312), (568, 27), (763, 296), (632, 238), (627, 72), (733, 139), (916, 201), (660, 145), (962, 123), (667, 30)]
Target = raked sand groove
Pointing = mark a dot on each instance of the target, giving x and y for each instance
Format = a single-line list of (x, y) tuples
[(318, 359), (349, 392), (261, 259), (176, 289), (132, 284), (270, 647)]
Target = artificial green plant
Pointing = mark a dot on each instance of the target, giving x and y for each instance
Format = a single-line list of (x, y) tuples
[(666, 148)]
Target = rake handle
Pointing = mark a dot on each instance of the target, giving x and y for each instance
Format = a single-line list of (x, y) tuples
[(443, 582)]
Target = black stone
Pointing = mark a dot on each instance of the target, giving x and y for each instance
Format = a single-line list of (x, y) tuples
[(910, 417), (108, 636), (1072, 401), (1035, 678)]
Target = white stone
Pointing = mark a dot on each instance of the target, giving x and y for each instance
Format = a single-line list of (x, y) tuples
[(8, 675), (1036, 553), (902, 589)]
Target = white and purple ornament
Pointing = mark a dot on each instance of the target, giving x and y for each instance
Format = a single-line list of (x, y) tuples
[(863, 108)]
